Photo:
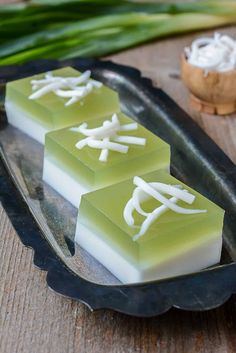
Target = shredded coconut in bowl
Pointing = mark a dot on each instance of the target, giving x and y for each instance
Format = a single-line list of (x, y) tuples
[(213, 54)]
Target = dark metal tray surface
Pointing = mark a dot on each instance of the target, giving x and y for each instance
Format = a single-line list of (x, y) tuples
[(45, 222)]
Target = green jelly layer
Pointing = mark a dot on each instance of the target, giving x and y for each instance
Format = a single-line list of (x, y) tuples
[(172, 234), (50, 110), (84, 165)]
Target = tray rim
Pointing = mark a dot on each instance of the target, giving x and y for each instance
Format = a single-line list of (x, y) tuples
[(48, 260)]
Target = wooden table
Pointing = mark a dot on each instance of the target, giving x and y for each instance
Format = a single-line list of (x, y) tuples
[(33, 319)]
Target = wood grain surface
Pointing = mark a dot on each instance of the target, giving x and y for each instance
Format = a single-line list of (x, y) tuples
[(33, 319)]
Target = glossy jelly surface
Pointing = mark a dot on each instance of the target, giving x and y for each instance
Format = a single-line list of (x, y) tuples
[(84, 165), (50, 111), (171, 235)]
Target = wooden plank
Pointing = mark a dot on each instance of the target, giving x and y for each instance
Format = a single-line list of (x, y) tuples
[(35, 320)]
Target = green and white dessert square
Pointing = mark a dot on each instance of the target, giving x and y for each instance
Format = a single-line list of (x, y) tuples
[(53, 100), (100, 152), (150, 227)]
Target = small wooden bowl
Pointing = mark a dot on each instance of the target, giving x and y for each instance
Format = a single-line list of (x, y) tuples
[(214, 92)]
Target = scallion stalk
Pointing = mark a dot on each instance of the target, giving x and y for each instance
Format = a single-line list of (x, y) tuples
[(65, 29)]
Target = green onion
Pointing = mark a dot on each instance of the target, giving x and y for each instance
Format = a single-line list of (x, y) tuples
[(65, 29)]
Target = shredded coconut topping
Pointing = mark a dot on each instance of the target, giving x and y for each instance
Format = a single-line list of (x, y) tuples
[(106, 137), (144, 191), (73, 88), (217, 53)]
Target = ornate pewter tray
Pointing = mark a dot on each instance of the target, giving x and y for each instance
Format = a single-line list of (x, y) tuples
[(46, 222)]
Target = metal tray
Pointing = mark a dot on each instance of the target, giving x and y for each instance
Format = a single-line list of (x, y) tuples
[(46, 222)]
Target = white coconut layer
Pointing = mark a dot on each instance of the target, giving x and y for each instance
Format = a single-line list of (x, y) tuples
[(24, 122), (63, 183), (196, 259), (106, 255)]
